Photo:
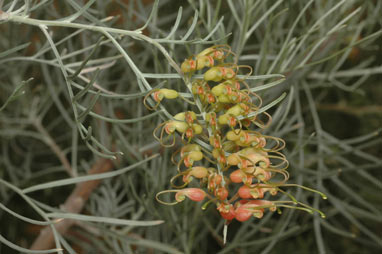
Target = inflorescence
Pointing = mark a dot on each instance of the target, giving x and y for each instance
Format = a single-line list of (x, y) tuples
[(223, 147)]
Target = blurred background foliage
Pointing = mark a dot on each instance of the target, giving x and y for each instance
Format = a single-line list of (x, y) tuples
[(329, 52)]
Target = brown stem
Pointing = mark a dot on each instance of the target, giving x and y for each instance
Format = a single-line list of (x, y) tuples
[(73, 204)]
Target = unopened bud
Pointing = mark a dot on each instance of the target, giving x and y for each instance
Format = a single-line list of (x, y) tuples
[(194, 194), (242, 214), (169, 93), (197, 128), (214, 74), (182, 116), (228, 214), (221, 193), (218, 90), (233, 159), (199, 172), (235, 110)]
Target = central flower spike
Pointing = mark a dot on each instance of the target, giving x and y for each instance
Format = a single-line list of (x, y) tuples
[(223, 147)]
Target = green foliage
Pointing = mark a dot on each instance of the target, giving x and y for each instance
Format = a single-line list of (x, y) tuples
[(72, 83)]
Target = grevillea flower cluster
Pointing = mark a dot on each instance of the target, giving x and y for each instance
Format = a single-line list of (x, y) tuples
[(225, 159)]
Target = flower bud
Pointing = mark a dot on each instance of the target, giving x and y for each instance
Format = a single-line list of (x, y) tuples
[(206, 52), (235, 110), (224, 99), (237, 176), (228, 73), (199, 172), (204, 61), (214, 52), (197, 128), (233, 83), (221, 193), (188, 66), (189, 148), (234, 97), (228, 213), (169, 93), (232, 136), (195, 155), (171, 126), (218, 73), (223, 119), (228, 90), (214, 74), (264, 203), (246, 209), (242, 213), (233, 159), (191, 157), (218, 90), (247, 192), (195, 194), (182, 116), (180, 126)]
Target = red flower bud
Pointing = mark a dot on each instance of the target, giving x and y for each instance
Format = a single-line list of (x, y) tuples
[(194, 194), (228, 214), (237, 176), (242, 213), (221, 193), (247, 192), (244, 192), (246, 209)]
